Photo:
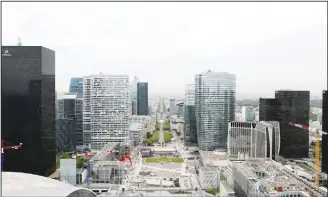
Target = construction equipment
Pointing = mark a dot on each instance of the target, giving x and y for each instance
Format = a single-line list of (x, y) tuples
[(317, 160), (3, 148)]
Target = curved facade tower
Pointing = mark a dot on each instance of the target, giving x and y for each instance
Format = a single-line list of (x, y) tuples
[(215, 97)]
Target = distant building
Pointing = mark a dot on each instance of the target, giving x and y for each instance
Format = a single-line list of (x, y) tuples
[(319, 118), (28, 108), (173, 107), (215, 96), (325, 128), (133, 95), (248, 113), (180, 107), (142, 98), (136, 132), (190, 126), (76, 86), (106, 109)]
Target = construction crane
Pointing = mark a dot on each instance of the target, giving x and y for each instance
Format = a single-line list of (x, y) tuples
[(3, 148), (317, 160)]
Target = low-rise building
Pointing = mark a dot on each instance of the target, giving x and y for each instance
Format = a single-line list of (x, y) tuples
[(209, 177), (136, 131)]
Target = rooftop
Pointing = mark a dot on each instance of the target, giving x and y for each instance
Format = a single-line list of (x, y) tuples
[(269, 178), (214, 158)]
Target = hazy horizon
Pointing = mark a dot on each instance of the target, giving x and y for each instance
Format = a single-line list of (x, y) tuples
[(268, 46)]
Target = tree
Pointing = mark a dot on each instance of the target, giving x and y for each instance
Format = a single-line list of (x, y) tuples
[(212, 190), (79, 162), (176, 182)]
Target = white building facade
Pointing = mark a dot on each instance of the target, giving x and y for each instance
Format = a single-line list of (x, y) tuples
[(106, 109), (248, 113), (215, 98)]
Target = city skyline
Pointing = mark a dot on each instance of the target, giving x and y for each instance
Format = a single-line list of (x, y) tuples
[(167, 52)]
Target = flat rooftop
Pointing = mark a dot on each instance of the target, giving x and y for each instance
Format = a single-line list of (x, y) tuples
[(214, 158), (269, 177)]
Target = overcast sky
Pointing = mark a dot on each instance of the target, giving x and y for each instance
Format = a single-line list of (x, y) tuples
[(268, 46)]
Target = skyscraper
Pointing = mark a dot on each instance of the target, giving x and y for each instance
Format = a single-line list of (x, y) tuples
[(215, 97), (69, 106), (76, 86), (133, 95), (325, 128), (106, 109), (190, 128), (294, 106), (142, 98), (28, 108), (248, 113), (268, 109)]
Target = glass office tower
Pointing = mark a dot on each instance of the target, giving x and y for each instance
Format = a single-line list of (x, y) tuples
[(28, 108), (190, 127), (294, 106), (76, 86), (142, 98), (215, 97)]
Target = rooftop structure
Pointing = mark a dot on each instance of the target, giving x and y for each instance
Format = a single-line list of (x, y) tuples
[(23, 184), (216, 158), (265, 177)]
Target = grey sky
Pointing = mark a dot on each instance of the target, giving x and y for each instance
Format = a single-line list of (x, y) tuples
[(268, 46)]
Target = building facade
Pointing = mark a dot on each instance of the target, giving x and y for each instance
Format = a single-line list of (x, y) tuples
[(142, 98), (173, 107), (294, 106), (76, 86), (248, 113), (268, 109), (325, 128), (215, 97), (106, 108), (190, 126), (28, 108), (65, 134), (134, 95)]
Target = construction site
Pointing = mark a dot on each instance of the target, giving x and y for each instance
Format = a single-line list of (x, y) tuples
[(110, 166)]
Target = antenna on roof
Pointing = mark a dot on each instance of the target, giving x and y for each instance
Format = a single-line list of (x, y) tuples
[(19, 43)]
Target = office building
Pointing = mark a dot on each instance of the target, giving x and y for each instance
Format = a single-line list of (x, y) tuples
[(268, 109), (294, 106), (190, 127), (76, 86), (215, 96), (325, 128), (28, 108), (265, 177), (180, 107), (106, 109), (248, 113), (70, 106), (173, 107), (65, 134), (142, 98), (253, 139), (134, 95)]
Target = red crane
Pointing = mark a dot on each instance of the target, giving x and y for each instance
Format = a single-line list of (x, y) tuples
[(3, 148)]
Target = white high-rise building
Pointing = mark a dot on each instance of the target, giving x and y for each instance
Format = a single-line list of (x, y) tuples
[(215, 98), (106, 109), (248, 113), (190, 94)]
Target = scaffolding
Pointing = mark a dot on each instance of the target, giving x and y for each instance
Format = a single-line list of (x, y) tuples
[(106, 168)]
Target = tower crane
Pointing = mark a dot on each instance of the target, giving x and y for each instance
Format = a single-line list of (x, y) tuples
[(317, 160), (3, 148)]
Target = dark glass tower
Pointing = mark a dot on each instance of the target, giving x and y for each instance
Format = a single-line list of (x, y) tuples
[(268, 109), (142, 98), (76, 86), (190, 127), (325, 128), (294, 106), (28, 108)]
